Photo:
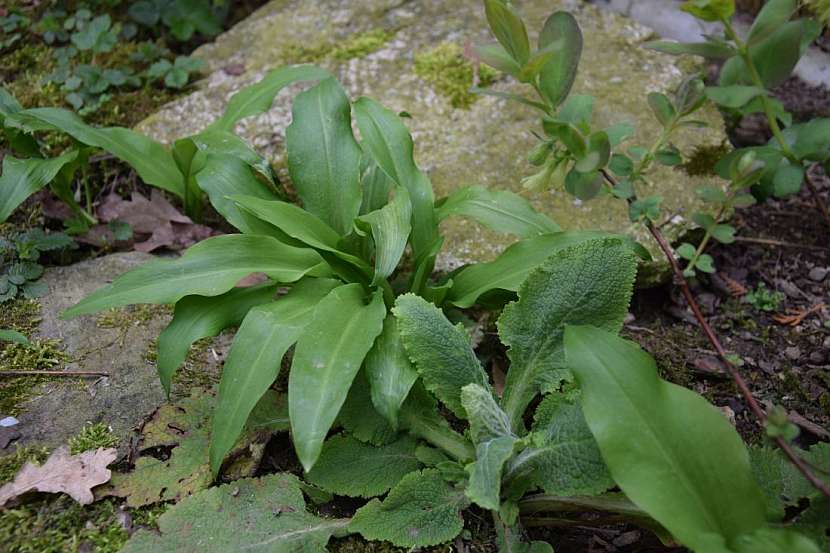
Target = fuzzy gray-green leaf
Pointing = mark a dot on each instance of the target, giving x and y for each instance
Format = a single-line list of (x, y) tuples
[(588, 283), (440, 351)]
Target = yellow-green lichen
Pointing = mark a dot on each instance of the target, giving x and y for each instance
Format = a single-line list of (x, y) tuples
[(358, 45), (451, 74), (91, 437)]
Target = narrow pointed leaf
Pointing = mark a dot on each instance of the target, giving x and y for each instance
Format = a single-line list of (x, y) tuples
[(255, 357), (152, 161), (562, 34), (501, 210), (734, 96), (390, 227), (257, 98), (713, 50), (440, 351), (323, 155), (327, 358), (774, 14), (376, 187), (23, 177), (508, 28), (389, 371), (197, 317), (586, 283), (497, 57), (387, 140), (209, 268), (671, 452)]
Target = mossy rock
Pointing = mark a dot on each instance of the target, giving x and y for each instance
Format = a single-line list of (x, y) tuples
[(457, 142)]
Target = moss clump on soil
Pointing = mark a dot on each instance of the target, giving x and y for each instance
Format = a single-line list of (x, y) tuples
[(451, 74), (92, 437), (39, 355), (10, 464), (358, 45), (701, 163), (21, 315)]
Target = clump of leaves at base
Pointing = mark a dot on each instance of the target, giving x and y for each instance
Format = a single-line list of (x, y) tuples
[(20, 271), (764, 299)]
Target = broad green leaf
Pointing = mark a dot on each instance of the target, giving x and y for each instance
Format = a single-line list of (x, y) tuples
[(376, 186), (508, 29), (349, 467), (257, 98), (440, 351), (421, 417), (782, 484), (787, 179), (220, 142), (713, 50), (669, 450), (389, 372), (326, 360), (358, 414), (23, 177), (502, 211), (152, 161), (422, 510), (197, 317), (209, 268), (709, 10), (812, 139), (597, 154), (510, 269), (222, 176), (588, 283), (390, 227), (578, 110), (534, 65), (662, 108), (254, 359), (494, 441), (563, 458), (769, 540), (497, 57), (260, 515), (561, 33), (8, 104), (387, 140), (8, 335), (323, 155), (568, 134), (774, 14), (734, 96)]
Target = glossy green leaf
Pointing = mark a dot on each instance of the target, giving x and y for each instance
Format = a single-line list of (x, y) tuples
[(390, 227), (349, 467), (774, 14), (23, 177), (326, 360), (254, 359), (509, 270), (561, 33), (209, 268), (323, 155), (440, 351), (508, 29), (214, 141), (501, 210), (387, 140), (734, 96), (197, 317), (671, 452), (257, 98), (152, 161), (422, 510), (713, 50), (389, 372), (588, 283)]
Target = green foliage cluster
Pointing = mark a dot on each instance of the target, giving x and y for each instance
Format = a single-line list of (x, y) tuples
[(764, 299), (19, 268), (92, 437)]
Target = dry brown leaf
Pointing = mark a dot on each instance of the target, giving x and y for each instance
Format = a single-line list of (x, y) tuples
[(795, 317), (736, 289), (74, 475)]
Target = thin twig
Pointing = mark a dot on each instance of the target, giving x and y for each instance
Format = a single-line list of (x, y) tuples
[(52, 373), (756, 409), (780, 243), (817, 198)]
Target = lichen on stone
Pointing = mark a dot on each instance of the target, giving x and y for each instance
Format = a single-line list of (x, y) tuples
[(451, 74), (355, 46)]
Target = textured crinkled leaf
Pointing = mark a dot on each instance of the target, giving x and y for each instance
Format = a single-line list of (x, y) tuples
[(261, 515), (500, 210), (669, 450), (323, 155), (359, 416), (326, 360), (389, 372), (350, 467), (209, 268), (484, 487), (440, 351), (23, 177), (255, 357), (487, 420), (386, 139), (814, 522), (780, 481), (775, 540), (509, 270), (564, 458), (421, 417), (422, 510), (257, 98), (197, 317), (588, 283), (390, 227), (152, 161)]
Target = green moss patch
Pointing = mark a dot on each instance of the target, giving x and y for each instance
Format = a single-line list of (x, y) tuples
[(92, 437), (358, 45), (451, 74)]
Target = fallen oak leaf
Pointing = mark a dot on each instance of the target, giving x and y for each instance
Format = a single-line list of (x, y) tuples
[(74, 475)]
